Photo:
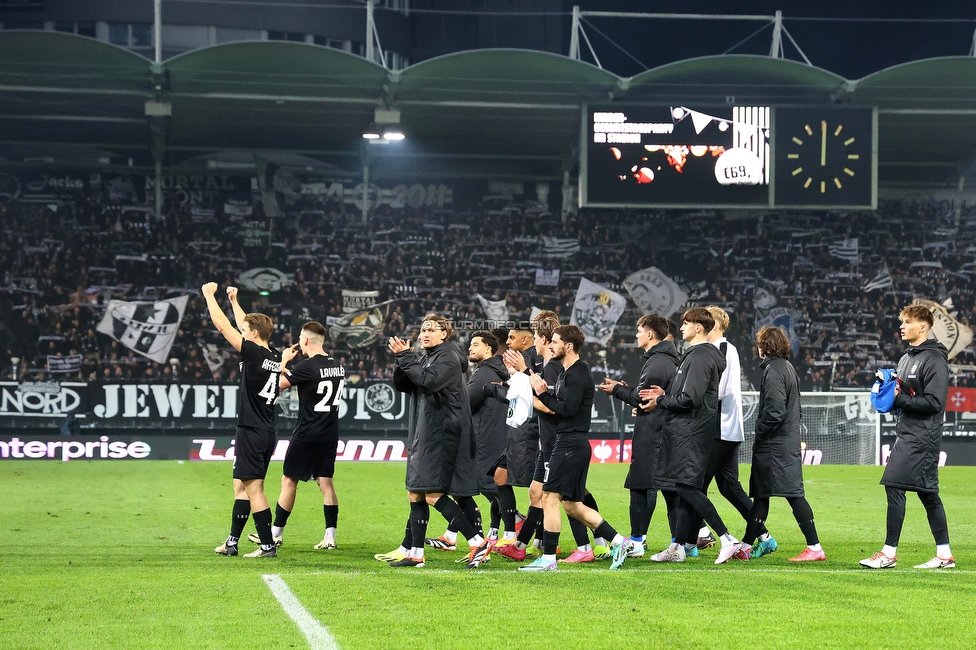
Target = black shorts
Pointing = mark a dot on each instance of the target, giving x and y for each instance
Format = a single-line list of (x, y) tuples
[(253, 449), (568, 467), (541, 467), (310, 457)]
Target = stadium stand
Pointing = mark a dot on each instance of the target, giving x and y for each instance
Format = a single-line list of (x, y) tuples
[(62, 263)]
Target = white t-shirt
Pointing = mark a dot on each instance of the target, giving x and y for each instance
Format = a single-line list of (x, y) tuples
[(730, 392), (520, 397)]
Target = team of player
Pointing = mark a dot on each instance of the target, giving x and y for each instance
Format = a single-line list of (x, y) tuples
[(533, 402)]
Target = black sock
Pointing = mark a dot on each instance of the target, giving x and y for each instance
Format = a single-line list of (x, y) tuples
[(550, 542), (533, 520), (454, 515), (242, 510), (506, 503), (419, 516), (495, 511), (606, 531), (262, 522), (408, 534), (803, 514), (331, 515), (580, 532), (281, 516), (638, 513), (471, 510), (757, 520)]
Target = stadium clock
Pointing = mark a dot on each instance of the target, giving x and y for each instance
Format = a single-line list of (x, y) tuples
[(825, 157)]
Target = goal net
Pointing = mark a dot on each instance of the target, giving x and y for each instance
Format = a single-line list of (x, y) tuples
[(836, 428)]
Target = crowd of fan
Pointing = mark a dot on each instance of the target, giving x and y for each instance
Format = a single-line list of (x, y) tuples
[(61, 264)]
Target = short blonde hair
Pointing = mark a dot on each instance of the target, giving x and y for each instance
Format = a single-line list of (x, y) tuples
[(720, 315)]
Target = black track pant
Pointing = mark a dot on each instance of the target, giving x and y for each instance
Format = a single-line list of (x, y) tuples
[(692, 500), (934, 510)]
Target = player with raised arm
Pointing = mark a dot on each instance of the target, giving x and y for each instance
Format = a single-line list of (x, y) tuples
[(319, 379), (255, 437)]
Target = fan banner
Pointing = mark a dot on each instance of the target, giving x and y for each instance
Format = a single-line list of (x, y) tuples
[(353, 301), (146, 328), (596, 311), (655, 293), (948, 331), (495, 310)]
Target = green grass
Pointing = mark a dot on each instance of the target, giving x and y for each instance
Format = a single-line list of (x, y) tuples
[(120, 555)]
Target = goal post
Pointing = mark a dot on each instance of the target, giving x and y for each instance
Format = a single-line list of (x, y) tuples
[(837, 428)]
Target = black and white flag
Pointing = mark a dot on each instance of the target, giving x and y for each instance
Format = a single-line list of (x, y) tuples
[(881, 281), (558, 247), (146, 328), (215, 355), (845, 249), (495, 310), (596, 311), (265, 279), (654, 292)]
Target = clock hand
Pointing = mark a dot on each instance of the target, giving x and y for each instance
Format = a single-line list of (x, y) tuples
[(823, 143)]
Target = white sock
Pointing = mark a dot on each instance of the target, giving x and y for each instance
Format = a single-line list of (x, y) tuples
[(329, 533), (451, 536), (728, 540), (476, 541), (618, 539), (889, 550), (704, 532), (509, 535), (276, 531), (519, 546), (416, 553), (815, 547), (584, 548), (942, 551), (492, 533), (599, 541), (765, 537), (549, 558), (688, 547), (404, 550), (537, 543)]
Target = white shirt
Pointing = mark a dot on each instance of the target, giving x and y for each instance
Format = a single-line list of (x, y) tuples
[(519, 397), (730, 392)]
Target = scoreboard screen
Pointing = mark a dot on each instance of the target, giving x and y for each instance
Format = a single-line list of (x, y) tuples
[(675, 156)]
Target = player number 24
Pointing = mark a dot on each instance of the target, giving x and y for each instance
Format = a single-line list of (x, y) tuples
[(330, 399)]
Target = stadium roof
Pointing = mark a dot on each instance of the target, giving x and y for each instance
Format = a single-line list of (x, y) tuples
[(485, 113)]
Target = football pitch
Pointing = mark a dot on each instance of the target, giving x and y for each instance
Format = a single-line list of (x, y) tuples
[(120, 555)]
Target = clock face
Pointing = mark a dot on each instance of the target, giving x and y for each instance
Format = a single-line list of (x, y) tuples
[(825, 157)]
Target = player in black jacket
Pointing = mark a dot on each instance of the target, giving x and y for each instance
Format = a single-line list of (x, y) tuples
[(691, 409), (923, 388), (311, 453), (660, 365), (777, 463), (255, 437), (435, 384)]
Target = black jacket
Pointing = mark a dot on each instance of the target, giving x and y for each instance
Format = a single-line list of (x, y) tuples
[(439, 414), (660, 365), (777, 463), (488, 417), (914, 460), (691, 406)]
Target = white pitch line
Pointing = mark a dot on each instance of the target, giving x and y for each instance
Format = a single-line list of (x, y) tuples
[(319, 637)]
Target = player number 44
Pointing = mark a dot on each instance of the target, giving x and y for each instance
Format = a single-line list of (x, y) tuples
[(332, 395), (270, 390)]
